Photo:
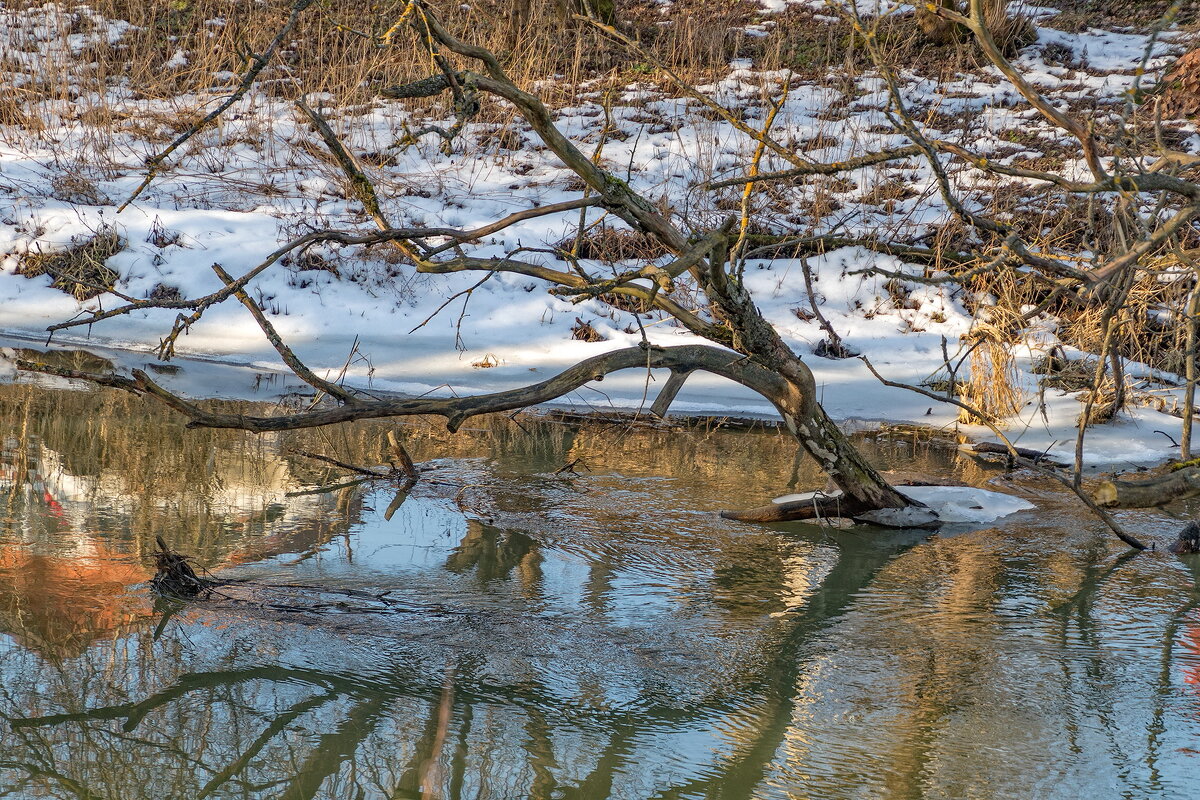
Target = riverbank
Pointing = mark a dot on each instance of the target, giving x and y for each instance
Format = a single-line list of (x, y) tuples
[(239, 189)]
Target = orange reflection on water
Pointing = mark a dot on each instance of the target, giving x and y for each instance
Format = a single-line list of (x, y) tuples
[(58, 606)]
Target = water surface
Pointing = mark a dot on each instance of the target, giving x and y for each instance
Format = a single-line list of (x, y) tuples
[(550, 635)]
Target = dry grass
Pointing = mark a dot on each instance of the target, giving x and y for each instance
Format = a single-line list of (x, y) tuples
[(992, 385), (1067, 375), (1150, 325), (80, 270), (608, 244), (337, 46)]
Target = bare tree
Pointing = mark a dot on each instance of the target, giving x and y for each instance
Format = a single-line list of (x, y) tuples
[(1153, 209)]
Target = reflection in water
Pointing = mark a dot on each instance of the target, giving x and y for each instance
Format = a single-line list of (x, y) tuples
[(590, 636)]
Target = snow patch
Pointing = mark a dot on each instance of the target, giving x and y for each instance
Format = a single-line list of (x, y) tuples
[(965, 503)]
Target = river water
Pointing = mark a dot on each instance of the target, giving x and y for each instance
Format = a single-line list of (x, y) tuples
[(509, 630)]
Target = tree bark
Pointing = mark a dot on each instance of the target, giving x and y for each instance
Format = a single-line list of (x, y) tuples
[(821, 505), (1157, 491)]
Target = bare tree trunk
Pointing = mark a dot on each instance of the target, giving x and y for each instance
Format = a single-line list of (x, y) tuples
[(731, 304), (1189, 367)]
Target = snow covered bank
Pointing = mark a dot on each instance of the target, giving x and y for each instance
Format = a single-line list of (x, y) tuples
[(241, 188)]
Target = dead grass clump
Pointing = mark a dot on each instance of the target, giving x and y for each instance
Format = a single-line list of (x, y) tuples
[(80, 270), (503, 138), (1104, 408), (1150, 326), (161, 236), (584, 332), (162, 293), (991, 386), (889, 191), (634, 305), (614, 244), (1011, 31), (819, 142), (934, 28), (1065, 374), (76, 189), (13, 114), (820, 206)]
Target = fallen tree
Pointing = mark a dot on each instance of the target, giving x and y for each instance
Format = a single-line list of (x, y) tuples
[(749, 350), (707, 264), (1158, 490)]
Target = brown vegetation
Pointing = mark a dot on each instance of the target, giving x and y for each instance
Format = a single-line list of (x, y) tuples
[(80, 270)]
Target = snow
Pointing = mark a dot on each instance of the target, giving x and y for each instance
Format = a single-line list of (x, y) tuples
[(965, 504), (8, 366), (238, 190)]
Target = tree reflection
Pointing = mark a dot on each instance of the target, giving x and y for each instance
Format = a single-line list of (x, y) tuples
[(603, 637), (235, 729)]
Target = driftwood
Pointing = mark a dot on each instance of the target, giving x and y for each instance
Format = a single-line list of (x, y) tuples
[(1156, 491), (1021, 452), (175, 577), (823, 505)]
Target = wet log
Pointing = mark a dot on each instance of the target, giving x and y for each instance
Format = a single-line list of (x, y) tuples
[(1156, 491), (818, 505), (995, 448), (833, 505)]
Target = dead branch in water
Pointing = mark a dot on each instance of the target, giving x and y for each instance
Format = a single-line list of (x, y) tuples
[(1150, 492), (364, 471), (177, 580), (175, 577)]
